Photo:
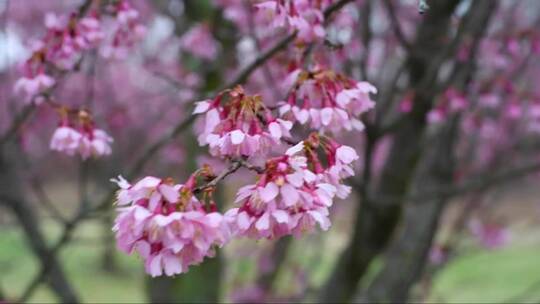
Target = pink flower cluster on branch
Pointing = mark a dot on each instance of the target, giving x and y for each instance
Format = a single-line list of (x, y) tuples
[(304, 17), (237, 124), (327, 100), (292, 194), (174, 226), (126, 30), (289, 198), (167, 225), (111, 28), (81, 138)]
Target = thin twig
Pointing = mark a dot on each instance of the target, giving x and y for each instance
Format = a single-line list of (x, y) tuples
[(233, 167), (478, 183)]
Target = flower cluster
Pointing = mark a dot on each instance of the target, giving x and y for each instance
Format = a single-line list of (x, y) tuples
[(166, 225), (66, 40), (328, 101), (241, 126), (85, 139), (289, 197), (174, 226), (302, 16), (172, 229), (293, 192), (127, 30)]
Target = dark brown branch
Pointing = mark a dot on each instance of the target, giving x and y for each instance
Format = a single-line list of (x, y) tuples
[(261, 59), (334, 8), (19, 120), (394, 21), (375, 223), (233, 167), (235, 164)]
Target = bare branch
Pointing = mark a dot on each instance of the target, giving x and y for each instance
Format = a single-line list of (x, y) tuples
[(396, 26)]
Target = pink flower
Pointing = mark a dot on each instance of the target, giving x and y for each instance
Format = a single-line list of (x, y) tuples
[(288, 199), (30, 87), (66, 139), (166, 225), (340, 160), (95, 142), (88, 143), (127, 30), (357, 99), (280, 128), (329, 102), (237, 128), (151, 188), (199, 42), (303, 17)]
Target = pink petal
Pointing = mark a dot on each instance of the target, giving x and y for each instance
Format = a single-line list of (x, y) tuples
[(326, 116), (243, 220), (201, 107), (281, 216), (172, 265), (275, 129), (154, 201), (295, 149), (296, 178), (269, 192), (346, 154), (147, 182), (154, 268), (263, 223), (237, 137), (290, 195), (143, 248), (170, 194)]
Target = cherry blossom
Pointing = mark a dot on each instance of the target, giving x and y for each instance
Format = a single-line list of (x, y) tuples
[(301, 16), (166, 225), (242, 126), (329, 101), (84, 139)]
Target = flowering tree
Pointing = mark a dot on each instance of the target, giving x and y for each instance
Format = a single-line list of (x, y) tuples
[(293, 105)]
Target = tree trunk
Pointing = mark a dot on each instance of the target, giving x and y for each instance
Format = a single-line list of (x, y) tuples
[(407, 254), (376, 221), (108, 255), (406, 257)]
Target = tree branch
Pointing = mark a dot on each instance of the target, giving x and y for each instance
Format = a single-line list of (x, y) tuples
[(394, 21)]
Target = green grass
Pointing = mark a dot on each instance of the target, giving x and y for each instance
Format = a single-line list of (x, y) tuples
[(491, 276), (479, 276), (82, 265)]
